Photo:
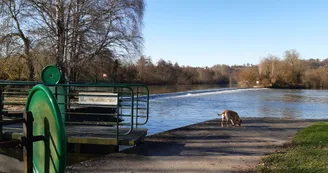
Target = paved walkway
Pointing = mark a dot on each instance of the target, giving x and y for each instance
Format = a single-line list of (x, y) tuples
[(203, 147)]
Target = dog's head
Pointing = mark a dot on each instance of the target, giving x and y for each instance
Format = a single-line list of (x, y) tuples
[(240, 121)]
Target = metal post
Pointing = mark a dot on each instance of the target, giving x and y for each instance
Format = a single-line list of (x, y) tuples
[(117, 119), (46, 139), (68, 102), (1, 100), (28, 142), (1, 108), (0, 127), (137, 107)]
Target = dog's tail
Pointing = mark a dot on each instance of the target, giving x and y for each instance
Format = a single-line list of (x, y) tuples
[(220, 113)]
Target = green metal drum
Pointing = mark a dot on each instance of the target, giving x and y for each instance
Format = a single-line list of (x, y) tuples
[(48, 155), (50, 75)]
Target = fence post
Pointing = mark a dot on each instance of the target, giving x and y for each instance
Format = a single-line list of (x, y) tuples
[(1, 109), (28, 142)]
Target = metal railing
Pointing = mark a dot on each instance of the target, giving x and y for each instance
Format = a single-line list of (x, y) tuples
[(85, 104)]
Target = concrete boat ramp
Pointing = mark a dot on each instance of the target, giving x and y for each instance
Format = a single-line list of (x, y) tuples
[(203, 147)]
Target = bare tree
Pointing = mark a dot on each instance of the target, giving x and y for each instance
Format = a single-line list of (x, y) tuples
[(247, 76), (81, 29), (269, 70), (221, 73), (14, 30), (144, 65), (293, 67)]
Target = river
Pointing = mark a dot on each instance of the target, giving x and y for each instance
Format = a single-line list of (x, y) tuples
[(171, 110)]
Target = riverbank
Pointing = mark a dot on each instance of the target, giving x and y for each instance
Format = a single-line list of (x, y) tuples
[(307, 152), (202, 147)]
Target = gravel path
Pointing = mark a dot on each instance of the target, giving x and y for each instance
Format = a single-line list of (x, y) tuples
[(203, 147)]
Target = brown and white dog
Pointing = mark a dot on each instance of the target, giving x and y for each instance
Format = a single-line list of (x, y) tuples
[(232, 116)]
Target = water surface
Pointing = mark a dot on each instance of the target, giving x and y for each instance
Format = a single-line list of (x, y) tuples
[(177, 109)]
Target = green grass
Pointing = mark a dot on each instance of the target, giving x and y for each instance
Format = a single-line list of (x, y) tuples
[(307, 152)]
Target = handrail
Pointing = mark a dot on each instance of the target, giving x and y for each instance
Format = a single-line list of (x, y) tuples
[(6, 82), (132, 100), (127, 98), (147, 106)]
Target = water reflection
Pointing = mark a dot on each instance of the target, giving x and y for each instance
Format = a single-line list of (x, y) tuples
[(294, 96), (289, 113)]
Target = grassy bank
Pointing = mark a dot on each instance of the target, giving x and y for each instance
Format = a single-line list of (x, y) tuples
[(307, 152)]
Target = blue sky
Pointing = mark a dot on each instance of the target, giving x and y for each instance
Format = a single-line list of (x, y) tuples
[(208, 32)]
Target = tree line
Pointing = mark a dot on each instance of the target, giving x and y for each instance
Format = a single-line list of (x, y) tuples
[(109, 69), (289, 71), (292, 72)]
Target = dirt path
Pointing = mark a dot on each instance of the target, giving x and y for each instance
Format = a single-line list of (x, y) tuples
[(203, 147)]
